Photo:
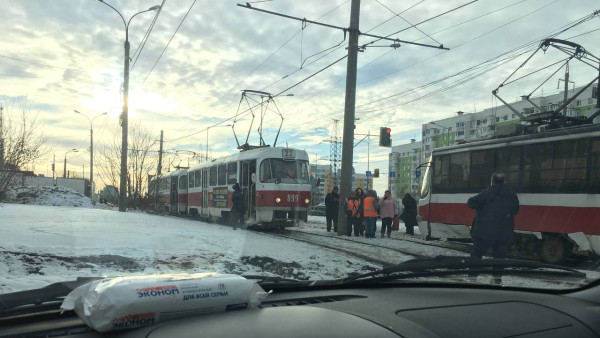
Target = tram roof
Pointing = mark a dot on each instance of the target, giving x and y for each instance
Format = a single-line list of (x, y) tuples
[(566, 133)]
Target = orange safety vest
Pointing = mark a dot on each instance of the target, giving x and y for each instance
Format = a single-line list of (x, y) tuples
[(353, 205), (368, 208)]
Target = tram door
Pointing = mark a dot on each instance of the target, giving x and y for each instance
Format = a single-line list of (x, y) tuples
[(204, 209), (248, 187), (173, 200)]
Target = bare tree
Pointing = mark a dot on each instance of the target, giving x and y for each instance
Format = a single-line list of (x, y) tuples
[(109, 163), (141, 161), (23, 141)]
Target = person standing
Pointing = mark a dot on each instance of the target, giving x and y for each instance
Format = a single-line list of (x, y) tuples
[(360, 195), (353, 214), (409, 214), (238, 210), (494, 223), (332, 205), (389, 210), (370, 207)]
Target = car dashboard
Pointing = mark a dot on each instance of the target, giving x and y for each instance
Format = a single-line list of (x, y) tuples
[(389, 311)]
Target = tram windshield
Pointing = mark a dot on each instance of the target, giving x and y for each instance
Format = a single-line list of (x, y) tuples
[(276, 170)]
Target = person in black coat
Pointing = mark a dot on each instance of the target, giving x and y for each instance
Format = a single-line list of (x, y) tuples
[(238, 210), (409, 214), (494, 223), (332, 205)]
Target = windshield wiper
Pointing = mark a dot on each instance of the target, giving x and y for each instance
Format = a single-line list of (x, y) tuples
[(452, 265), (275, 282), (49, 293)]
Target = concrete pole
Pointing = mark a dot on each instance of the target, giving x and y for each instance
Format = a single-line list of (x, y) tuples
[(124, 124), (348, 137)]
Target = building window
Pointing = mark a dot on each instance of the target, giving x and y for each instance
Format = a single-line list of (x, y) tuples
[(497, 119), (484, 121), (578, 103), (505, 117)]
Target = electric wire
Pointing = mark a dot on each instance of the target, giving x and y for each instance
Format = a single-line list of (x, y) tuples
[(398, 15), (171, 39), (142, 44)]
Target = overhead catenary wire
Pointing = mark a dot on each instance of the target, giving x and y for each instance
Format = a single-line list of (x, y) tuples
[(171, 39), (140, 48), (412, 65), (398, 15), (275, 52), (523, 49)]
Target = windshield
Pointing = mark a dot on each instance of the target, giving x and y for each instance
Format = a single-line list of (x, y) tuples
[(274, 170), (165, 137)]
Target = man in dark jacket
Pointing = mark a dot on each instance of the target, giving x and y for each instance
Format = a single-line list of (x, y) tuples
[(409, 214), (332, 204), (494, 224), (238, 210)]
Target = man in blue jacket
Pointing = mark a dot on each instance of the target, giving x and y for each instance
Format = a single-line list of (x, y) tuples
[(494, 224)]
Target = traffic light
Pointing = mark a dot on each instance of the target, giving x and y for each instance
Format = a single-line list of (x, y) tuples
[(376, 173), (385, 137)]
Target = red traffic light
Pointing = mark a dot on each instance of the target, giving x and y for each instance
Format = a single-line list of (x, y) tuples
[(388, 131)]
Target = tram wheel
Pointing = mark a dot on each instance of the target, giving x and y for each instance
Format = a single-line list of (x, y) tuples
[(554, 249)]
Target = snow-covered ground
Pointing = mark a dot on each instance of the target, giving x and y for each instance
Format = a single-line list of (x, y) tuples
[(53, 234), (44, 244)]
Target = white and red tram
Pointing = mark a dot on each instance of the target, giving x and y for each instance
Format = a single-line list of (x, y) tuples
[(556, 175), (275, 182)]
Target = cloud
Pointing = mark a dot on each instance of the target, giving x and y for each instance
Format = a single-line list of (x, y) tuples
[(76, 53)]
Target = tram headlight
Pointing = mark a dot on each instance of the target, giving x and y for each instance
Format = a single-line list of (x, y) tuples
[(277, 200), (306, 201)]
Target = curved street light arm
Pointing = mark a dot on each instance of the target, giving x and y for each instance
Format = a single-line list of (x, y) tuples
[(114, 9)]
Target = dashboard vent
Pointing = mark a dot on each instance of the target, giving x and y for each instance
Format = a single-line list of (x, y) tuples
[(308, 301)]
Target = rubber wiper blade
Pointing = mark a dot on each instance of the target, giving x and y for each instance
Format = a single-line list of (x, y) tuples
[(275, 281), (52, 292), (448, 265)]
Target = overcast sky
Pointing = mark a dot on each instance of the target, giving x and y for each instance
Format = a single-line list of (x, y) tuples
[(63, 55)]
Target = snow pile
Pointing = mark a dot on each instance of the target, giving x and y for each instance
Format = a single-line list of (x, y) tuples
[(52, 196)]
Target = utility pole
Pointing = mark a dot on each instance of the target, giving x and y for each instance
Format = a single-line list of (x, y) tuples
[(349, 108), (160, 151), (158, 170), (566, 88)]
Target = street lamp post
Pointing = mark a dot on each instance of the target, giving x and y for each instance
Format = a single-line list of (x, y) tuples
[(91, 151), (124, 115), (65, 165), (207, 128)]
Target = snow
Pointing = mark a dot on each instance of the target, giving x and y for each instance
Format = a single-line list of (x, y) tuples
[(53, 234)]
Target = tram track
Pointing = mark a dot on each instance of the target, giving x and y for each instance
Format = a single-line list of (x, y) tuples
[(391, 243), (384, 254)]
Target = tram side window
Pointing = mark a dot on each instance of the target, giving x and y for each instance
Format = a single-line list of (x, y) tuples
[(183, 182), (232, 173), (482, 166), (557, 167), (568, 165), (197, 179), (222, 174), (441, 166), (459, 172), (595, 168), (212, 176), (192, 179), (508, 161), (537, 168)]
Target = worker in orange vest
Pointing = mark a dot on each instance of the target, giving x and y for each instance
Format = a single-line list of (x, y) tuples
[(370, 212), (353, 214)]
